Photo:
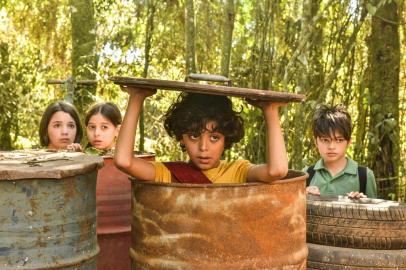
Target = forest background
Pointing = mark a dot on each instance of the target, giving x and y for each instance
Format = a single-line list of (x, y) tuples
[(333, 51)]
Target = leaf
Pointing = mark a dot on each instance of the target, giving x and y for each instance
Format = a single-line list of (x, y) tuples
[(94, 151), (303, 59), (371, 9)]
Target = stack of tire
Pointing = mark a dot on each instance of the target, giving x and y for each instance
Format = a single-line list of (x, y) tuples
[(355, 234)]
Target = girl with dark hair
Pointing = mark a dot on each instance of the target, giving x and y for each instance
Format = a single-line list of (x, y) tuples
[(102, 123), (204, 125), (60, 127)]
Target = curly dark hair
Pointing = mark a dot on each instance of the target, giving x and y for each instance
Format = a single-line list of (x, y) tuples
[(191, 112), (329, 119)]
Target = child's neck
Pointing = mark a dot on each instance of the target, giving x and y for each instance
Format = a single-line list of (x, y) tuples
[(336, 166)]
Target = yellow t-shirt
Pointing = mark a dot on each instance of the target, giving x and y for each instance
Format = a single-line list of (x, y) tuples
[(226, 172)]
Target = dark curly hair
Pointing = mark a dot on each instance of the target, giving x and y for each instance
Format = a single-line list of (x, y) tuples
[(191, 112), (329, 119)]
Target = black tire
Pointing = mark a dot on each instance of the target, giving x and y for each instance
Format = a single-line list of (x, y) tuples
[(361, 224), (336, 258)]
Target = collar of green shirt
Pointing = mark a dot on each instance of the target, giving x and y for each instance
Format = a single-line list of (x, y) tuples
[(350, 168)]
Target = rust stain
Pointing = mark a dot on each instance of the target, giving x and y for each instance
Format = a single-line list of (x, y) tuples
[(62, 237), (40, 243), (85, 227), (33, 203), (70, 189), (220, 227), (47, 217), (45, 229)]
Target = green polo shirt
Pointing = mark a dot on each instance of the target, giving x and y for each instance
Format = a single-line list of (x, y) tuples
[(343, 182)]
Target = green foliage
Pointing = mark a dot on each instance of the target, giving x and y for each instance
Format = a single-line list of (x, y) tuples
[(98, 152), (371, 9), (318, 48)]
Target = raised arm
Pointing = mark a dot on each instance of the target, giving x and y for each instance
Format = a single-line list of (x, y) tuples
[(124, 152), (276, 166)]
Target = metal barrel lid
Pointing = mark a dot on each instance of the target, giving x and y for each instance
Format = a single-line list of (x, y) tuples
[(30, 164), (256, 94)]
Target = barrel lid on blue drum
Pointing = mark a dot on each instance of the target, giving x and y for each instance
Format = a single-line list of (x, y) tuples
[(29, 164)]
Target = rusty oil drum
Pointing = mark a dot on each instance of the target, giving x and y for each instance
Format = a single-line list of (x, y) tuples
[(113, 200), (48, 210), (221, 226)]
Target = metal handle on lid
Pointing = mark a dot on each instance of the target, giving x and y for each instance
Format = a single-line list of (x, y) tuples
[(208, 78)]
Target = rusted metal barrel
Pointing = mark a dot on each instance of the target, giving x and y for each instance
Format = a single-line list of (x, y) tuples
[(221, 226), (113, 197), (48, 210)]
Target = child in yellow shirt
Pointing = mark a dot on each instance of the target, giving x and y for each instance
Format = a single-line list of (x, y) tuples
[(204, 125)]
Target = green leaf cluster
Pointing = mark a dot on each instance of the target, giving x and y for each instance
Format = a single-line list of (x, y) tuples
[(319, 48)]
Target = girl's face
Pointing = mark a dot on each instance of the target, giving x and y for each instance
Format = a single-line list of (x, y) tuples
[(61, 130), (101, 133), (205, 149)]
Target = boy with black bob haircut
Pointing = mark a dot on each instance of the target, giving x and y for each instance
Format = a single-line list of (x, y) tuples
[(335, 173)]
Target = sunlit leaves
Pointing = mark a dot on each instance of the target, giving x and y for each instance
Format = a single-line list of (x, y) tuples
[(275, 46)]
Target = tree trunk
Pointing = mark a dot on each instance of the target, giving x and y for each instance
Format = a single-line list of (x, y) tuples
[(149, 30), (362, 108), (228, 27), (310, 72), (255, 147), (84, 59), (331, 78), (190, 29), (8, 99), (384, 61)]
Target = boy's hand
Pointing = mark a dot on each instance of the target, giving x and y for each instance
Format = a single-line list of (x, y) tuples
[(356, 195), (313, 190), (74, 147), (135, 91), (265, 105)]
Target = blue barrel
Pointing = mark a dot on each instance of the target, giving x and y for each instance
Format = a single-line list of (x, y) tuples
[(48, 210)]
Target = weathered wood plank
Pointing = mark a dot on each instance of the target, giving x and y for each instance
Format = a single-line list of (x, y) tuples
[(40, 164), (249, 93)]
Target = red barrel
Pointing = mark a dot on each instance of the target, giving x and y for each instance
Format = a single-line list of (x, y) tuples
[(113, 200)]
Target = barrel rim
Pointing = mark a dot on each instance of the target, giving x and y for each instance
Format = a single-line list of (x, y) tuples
[(139, 155), (300, 176)]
